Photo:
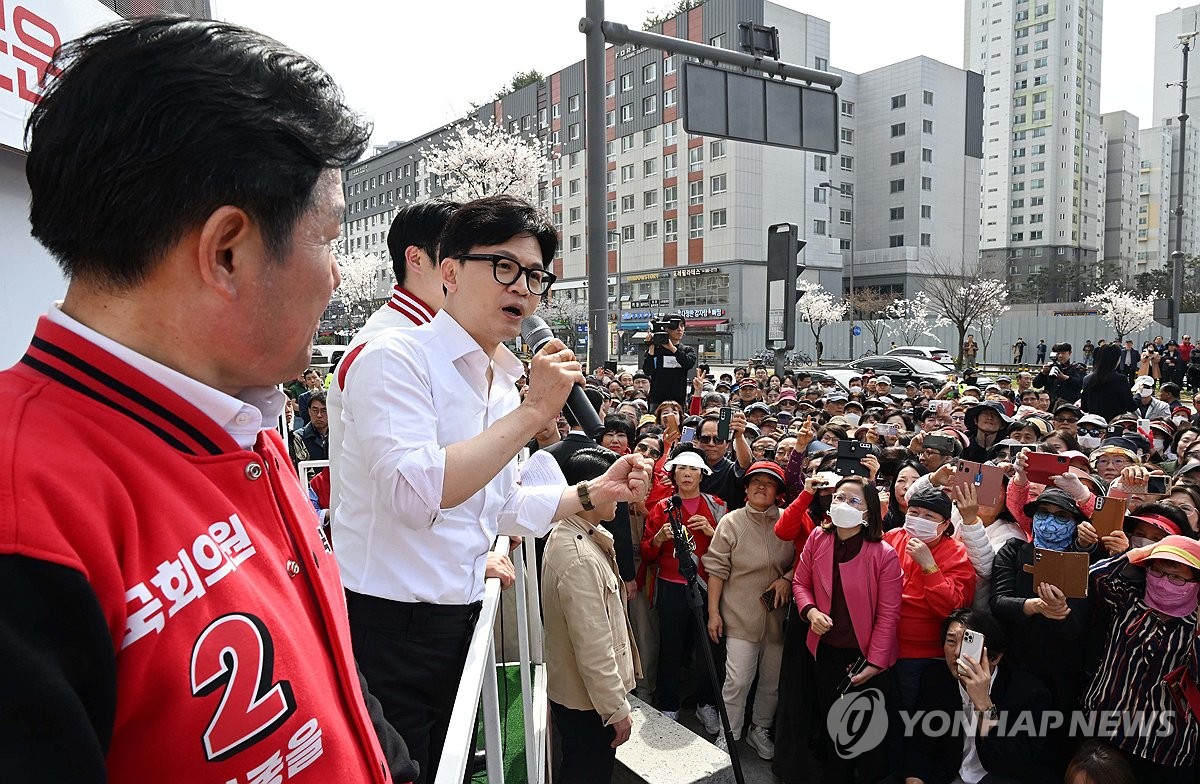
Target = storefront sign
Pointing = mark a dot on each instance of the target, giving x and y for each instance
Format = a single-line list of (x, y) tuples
[(701, 313), (649, 303), (688, 272), (652, 276)]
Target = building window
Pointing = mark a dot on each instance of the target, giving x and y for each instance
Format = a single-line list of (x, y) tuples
[(844, 244), (628, 233), (648, 136), (820, 195), (573, 188), (650, 167), (627, 203), (575, 213), (695, 158), (627, 112), (819, 227), (926, 155), (669, 97), (898, 158), (926, 183), (847, 136), (897, 130), (717, 184), (926, 126), (819, 163), (896, 186), (649, 199), (899, 101), (576, 241), (670, 230), (649, 73), (668, 64), (610, 209), (610, 177), (695, 226), (896, 213), (847, 162), (896, 241), (820, 63), (717, 219), (716, 149), (926, 211), (927, 99), (573, 159), (717, 40), (696, 192), (573, 103), (610, 88), (555, 112), (627, 142), (845, 216), (650, 104), (610, 119), (847, 108), (670, 197), (670, 164), (926, 239), (626, 82), (650, 230)]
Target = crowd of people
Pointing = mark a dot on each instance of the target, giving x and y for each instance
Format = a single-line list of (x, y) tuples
[(1163, 360)]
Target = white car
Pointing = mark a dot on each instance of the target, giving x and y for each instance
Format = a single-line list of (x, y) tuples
[(934, 353)]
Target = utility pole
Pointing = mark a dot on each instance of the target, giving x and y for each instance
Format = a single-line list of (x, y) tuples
[(1177, 255)]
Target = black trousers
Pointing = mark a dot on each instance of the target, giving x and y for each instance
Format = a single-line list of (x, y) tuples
[(412, 655), (587, 752), (831, 666), (678, 634)]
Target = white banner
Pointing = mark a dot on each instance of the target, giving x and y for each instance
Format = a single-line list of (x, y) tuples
[(30, 31)]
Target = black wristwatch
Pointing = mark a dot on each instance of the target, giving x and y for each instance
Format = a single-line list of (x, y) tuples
[(991, 713)]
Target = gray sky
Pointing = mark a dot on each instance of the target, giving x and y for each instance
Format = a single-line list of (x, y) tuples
[(411, 65)]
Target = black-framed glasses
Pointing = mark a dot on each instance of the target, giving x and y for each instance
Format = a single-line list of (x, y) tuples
[(1174, 579), (506, 271)]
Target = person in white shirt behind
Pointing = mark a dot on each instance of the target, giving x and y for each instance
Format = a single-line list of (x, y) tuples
[(433, 424)]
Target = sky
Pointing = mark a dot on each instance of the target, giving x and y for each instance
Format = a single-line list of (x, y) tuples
[(411, 66)]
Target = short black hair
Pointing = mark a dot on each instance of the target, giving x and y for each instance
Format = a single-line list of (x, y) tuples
[(995, 638), (156, 122), (496, 219), (614, 423), (1171, 387), (587, 463), (418, 224), (320, 396)]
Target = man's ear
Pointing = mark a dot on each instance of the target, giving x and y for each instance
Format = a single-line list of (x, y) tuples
[(227, 243), (413, 258), (450, 269)]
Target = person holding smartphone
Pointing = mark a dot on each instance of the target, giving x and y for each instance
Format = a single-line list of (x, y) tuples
[(847, 585), (749, 580)]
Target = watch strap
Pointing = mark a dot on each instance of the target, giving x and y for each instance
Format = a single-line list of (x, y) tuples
[(585, 496)]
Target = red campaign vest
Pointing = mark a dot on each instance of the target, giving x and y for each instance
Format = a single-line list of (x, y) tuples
[(194, 548)]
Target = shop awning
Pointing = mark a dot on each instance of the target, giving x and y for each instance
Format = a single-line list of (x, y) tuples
[(705, 323), (635, 325)]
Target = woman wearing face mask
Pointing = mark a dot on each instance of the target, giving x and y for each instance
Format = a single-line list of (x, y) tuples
[(937, 578), (1151, 595), (1046, 629), (700, 514), (745, 562), (848, 588), (1106, 391)]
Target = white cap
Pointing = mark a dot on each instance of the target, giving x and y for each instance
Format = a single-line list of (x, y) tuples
[(688, 458), (883, 380), (1143, 382)]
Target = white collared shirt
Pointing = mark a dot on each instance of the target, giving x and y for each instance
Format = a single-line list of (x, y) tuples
[(971, 771), (403, 311), (408, 395), (241, 417)]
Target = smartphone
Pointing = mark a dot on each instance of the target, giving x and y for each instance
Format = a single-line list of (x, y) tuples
[(849, 457), (1114, 431), (726, 418), (1143, 427), (1156, 484), (769, 454), (768, 599), (689, 435), (943, 444), (972, 645), (887, 430), (1042, 467)]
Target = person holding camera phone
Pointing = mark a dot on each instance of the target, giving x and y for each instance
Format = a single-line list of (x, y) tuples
[(668, 362), (1062, 378), (848, 588), (744, 557)]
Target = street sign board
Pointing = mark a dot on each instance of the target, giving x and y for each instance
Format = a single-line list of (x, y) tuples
[(783, 267), (752, 108), (856, 331)]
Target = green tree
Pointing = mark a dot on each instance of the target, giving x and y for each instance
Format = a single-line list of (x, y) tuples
[(519, 80)]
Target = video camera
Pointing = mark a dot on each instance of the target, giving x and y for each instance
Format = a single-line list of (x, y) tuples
[(659, 327)]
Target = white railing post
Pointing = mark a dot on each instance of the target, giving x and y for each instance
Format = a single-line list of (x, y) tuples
[(493, 743)]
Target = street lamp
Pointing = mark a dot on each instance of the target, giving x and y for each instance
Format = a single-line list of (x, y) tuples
[(620, 338), (850, 268)]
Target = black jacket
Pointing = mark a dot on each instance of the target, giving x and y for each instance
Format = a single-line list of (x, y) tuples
[(1110, 399), (725, 482), (619, 525), (308, 444), (670, 374), (1019, 757), (1067, 387)]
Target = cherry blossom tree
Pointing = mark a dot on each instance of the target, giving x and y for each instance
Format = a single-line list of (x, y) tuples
[(478, 160), (818, 308), (361, 273), (986, 324), (1123, 310), (563, 315), (913, 319), (963, 295)]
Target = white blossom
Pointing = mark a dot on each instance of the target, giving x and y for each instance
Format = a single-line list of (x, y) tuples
[(360, 273), (1123, 310), (913, 319), (817, 307), (478, 160)]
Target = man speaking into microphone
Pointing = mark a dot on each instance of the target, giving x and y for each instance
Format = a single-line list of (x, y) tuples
[(432, 426)]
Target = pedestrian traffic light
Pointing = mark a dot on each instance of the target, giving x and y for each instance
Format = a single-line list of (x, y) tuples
[(783, 267)]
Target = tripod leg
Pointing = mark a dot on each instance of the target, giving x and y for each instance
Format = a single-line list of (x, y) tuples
[(696, 602)]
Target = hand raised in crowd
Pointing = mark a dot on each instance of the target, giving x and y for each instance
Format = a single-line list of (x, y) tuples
[(966, 500), (919, 552), (670, 423), (1021, 464), (737, 424), (698, 523), (814, 483), (805, 435), (1115, 543), (698, 382), (871, 463), (819, 621), (1085, 535), (1133, 479), (628, 479), (942, 476), (553, 371), (1050, 603), (916, 443), (976, 679), (1071, 484)]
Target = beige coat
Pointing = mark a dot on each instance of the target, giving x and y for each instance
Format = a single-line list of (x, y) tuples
[(591, 661), (748, 556)]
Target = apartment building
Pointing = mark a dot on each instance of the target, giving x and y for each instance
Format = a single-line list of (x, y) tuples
[(1122, 199)]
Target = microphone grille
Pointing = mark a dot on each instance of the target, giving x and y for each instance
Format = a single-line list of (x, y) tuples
[(535, 331)]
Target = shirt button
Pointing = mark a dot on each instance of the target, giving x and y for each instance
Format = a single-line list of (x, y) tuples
[(242, 418), (293, 568), (253, 471)]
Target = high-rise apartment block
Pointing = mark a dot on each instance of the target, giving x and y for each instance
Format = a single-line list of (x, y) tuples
[(1123, 176), (687, 215), (1168, 71), (1043, 179)]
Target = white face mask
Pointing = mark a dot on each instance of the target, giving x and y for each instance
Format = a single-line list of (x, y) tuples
[(1181, 420), (855, 390), (853, 419), (1139, 541), (1146, 393), (1159, 445), (1089, 442), (925, 530), (844, 515)]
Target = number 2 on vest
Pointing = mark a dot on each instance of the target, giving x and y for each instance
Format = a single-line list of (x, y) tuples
[(235, 652)]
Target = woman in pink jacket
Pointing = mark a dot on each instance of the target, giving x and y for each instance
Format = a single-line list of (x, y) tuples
[(847, 585)]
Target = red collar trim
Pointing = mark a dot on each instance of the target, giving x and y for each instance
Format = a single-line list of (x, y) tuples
[(409, 304)]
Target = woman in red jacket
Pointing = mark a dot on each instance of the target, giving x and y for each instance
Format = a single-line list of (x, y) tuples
[(677, 628), (847, 586), (938, 578)]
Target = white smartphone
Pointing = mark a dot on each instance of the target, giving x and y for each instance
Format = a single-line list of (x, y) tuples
[(972, 645)]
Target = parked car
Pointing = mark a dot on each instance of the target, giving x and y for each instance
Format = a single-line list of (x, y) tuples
[(903, 368), (326, 354), (934, 353), (840, 377)]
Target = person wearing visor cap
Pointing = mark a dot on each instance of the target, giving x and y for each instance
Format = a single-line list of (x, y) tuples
[(1090, 430), (1147, 405), (1113, 456), (1150, 594), (744, 561), (700, 512)]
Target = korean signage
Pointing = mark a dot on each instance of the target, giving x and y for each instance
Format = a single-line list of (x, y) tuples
[(649, 303), (30, 31), (700, 313), (687, 272)]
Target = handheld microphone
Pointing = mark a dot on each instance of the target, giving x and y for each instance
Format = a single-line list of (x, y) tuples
[(675, 502), (578, 408)]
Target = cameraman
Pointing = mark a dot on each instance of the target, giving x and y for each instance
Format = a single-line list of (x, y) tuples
[(1063, 379), (668, 362)]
